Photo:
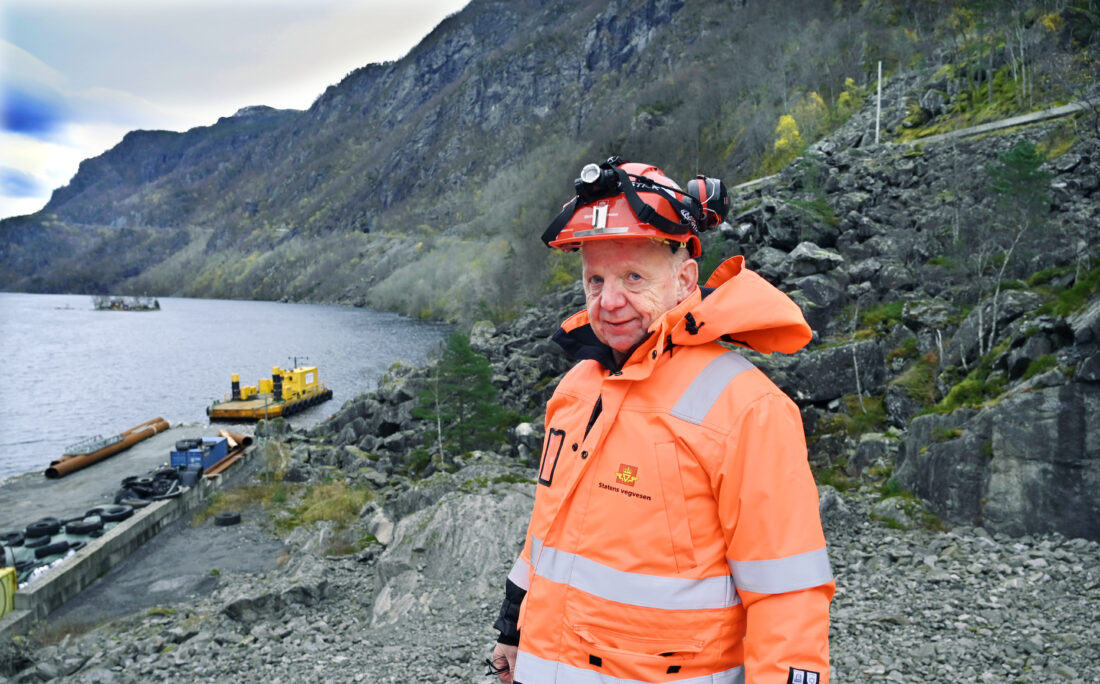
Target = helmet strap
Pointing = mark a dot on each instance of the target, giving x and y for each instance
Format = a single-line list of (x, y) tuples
[(648, 214), (554, 228)]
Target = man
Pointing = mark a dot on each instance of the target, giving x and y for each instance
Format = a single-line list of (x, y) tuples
[(675, 534)]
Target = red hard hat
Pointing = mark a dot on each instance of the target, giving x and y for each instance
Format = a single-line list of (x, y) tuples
[(620, 199)]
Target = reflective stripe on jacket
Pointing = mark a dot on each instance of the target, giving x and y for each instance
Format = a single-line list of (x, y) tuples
[(675, 534)]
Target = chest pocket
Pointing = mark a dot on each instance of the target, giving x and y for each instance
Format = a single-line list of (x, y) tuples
[(672, 493)]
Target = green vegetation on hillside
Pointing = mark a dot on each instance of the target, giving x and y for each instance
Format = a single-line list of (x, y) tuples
[(425, 191)]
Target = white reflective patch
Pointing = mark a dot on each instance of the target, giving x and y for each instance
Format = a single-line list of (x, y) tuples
[(778, 576), (705, 389), (636, 589), (531, 668), (599, 216), (601, 231), (536, 551), (520, 575)]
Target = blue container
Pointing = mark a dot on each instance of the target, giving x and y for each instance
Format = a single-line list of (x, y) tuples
[(212, 451), (192, 458)]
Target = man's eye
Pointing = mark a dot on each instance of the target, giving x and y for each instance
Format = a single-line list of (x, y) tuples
[(634, 277), (595, 280)]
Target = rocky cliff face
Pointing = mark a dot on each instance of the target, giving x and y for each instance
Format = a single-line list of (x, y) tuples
[(449, 155), (908, 381)]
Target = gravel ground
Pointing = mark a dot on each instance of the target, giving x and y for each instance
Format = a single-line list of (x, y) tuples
[(911, 606)]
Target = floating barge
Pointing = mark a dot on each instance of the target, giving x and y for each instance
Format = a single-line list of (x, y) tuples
[(93, 449), (285, 393)]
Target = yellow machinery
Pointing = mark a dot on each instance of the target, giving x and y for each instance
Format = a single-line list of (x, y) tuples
[(7, 590), (298, 382), (284, 393)]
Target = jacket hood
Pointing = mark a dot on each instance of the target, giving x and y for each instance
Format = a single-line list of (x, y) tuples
[(735, 306)]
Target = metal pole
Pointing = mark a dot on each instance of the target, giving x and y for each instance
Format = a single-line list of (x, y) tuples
[(878, 104)]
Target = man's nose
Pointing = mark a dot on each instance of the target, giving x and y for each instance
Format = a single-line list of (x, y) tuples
[(611, 297)]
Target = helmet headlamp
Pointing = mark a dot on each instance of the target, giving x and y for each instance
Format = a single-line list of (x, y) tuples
[(598, 180), (590, 173)]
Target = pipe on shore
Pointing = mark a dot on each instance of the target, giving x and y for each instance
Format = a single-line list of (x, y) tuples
[(236, 439), (72, 462)]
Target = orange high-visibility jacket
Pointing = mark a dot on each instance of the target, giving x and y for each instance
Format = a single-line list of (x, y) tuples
[(675, 534)]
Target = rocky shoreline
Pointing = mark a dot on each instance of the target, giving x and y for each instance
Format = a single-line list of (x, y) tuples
[(911, 605)]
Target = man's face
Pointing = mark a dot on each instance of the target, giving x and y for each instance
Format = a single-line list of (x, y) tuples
[(628, 284)]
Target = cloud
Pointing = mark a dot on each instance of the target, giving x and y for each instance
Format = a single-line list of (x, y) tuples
[(17, 184)]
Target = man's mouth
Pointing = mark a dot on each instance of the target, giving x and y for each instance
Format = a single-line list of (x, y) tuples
[(619, 324)]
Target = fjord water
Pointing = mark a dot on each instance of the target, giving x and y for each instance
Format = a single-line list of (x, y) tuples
[(72, 372)]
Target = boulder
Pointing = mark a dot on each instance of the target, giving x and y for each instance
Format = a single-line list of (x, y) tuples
[(1086, 325), (925, 313), (782, 224), (820, 296), (1089, 369), (463, 539), (934, 102), (1033, 347), (822, 375), (864, 269), (893, 511), (481, 336), (946, 465), (1028, 464), (769, 262), (853, 201), (1045, 470), (809, 259), (874, 448), (899, 406), (894, 276)]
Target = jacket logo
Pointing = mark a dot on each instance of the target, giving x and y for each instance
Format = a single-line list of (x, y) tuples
[(627, 474)]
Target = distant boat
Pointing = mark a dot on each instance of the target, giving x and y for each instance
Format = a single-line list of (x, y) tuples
[(112, 303), (286, 392)]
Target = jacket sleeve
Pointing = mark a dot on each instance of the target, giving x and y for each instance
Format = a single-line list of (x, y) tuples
[(515, 589), (776, 548)]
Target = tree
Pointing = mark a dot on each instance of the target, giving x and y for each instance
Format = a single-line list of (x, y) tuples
[(461, 399), (1022, 196), (788, 144)]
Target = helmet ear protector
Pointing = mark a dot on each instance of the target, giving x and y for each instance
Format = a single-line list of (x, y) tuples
[(702, 206)]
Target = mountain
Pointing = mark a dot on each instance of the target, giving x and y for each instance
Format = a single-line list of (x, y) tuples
[(442, 158), (420, 185)]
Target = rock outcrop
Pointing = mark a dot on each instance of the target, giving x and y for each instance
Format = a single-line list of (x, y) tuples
[(1030, 463)]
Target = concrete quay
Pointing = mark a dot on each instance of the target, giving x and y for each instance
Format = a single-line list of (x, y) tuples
[(30, 497)]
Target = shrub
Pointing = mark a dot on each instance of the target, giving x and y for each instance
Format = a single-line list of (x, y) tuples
[(969, 392), (1040, 365), (907, 350), (1076, 297), (946, 434), (834, 477), (885, 314), (334, 501)]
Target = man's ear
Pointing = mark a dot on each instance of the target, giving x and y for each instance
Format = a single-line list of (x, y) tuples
[(687, 279)]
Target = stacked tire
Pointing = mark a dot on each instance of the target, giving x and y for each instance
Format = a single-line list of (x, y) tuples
[(50, 539)]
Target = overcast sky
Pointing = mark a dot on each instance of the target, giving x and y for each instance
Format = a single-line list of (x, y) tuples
[(76, 75)]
